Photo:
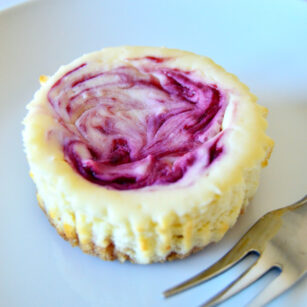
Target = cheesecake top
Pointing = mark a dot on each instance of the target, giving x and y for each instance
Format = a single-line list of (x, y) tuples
[(129, 131)]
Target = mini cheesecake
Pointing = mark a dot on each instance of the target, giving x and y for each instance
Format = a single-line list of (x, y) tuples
[(144, 154)]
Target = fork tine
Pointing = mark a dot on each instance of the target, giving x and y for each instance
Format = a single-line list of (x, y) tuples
[(231, 258), (262, 265), (287, 278), (248, 243), (253, 240)]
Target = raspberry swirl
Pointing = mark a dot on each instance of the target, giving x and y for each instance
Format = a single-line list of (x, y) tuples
[(139, 124)]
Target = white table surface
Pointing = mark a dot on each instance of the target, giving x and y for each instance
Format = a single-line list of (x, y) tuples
[(264, 42)]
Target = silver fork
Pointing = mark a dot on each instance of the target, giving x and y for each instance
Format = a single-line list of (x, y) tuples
[(280, 238)]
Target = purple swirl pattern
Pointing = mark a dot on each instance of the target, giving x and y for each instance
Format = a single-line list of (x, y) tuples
[(140, 125)]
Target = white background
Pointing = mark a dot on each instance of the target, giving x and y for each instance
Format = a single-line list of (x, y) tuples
[(264, 42)]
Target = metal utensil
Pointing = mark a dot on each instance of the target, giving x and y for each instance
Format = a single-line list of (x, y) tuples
[(280, 239)]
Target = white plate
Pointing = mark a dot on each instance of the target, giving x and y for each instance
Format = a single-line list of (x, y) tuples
[(263, 42)]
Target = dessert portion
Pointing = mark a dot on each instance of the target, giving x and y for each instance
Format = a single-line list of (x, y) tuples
[(145, 154)]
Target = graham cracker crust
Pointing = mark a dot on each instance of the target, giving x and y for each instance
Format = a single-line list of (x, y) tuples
[(109, 253)]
